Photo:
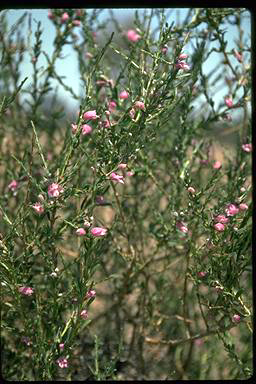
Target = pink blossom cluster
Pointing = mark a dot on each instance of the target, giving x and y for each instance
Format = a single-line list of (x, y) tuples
[(181, 64), (98, 231), (95, 231), (62, 362), (54, 190), (231, 210), (66, 18), (86, 129), (120, 178), (139, 105), (28, 291), (247, 147)]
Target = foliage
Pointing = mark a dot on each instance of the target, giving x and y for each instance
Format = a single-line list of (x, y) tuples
[(125, 238)]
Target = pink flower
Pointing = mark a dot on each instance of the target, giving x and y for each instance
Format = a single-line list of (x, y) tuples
[(139, 105), (130, 173), (84, 314), (112, 105), (182, 227), (221, 219), (123, 95), (231, 210), (243, 207), (236, 318), (74, 128), (38, 207), (64, 17), (13, 185), (54, 190), (191, 190), (76, 23), (229, 102), (217, 165), (28, 291), (182, 65), (80, 232), (86, 129), (202, 274), (90, 294), (122, 166), (183, 56), (62, 362), (219, 227), (98, 231), (115, 177), (61, 346), (247, 147), (132, 36), (90, 115)]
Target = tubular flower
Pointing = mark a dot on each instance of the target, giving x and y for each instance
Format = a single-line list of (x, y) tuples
[(115, 177)]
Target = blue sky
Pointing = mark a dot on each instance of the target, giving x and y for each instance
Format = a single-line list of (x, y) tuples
[(68, 67)]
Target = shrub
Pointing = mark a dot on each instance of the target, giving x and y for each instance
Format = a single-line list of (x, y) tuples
[(126, 226)]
